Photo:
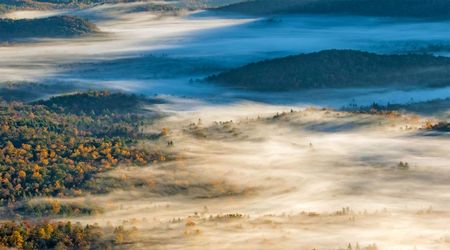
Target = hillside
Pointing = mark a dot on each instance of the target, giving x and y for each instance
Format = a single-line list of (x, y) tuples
[(11, 5), (435, 107), (17, 5), (433, 9), (96, 102), (338, 69), (68, 137), (208, 3), (50, 27)]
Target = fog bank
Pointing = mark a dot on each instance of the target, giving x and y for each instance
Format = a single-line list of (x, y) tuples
[(158, 53), (293, 180)]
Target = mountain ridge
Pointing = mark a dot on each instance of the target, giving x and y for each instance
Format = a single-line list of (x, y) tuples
[(433, 9), (49, 27), (338, 69)]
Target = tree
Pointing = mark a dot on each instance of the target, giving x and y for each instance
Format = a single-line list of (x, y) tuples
[(17, 239)]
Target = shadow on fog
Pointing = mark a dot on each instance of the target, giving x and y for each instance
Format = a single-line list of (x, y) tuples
[(197, 45), (248, 40)]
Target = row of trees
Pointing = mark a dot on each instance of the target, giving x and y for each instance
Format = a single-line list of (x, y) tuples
[(61, 235), (54, 208)]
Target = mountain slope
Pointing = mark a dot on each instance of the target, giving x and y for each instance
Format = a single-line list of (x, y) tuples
[(431, 9), (338, 69), (50, 27)]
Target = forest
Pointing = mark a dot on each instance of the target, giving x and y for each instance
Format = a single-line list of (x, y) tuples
[(53, 148), (45, 4), (11, 5), (97, 102), (436, 107), (338, 69), (60, 235), (50, 27), (44, 153), (178, 124), (433, 9)]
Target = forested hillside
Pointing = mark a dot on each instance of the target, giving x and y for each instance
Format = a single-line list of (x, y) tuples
[(13, 5), (54, 147), (51, 27), (339, 69), (389, 8)]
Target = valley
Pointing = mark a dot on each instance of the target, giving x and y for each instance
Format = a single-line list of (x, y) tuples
[(224, 124)]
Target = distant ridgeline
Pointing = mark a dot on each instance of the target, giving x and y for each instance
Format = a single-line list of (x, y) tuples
[(12, 5), (98, 102), (339, 69), (50, 27), (52, 4), (429, 9)]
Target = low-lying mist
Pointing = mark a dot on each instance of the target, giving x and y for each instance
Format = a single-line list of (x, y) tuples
[(264, 173), (304, 178), (143, 49)]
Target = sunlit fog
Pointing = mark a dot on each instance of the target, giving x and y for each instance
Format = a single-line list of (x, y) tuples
[(215, 124)]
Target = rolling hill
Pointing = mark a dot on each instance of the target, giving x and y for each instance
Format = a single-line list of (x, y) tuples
[(432, 9), (338, 69), (50, 27)]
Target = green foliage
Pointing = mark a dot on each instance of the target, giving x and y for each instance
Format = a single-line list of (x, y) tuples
[(45, 235), (432, 9), (28, 91), (44, 153), (96, 102), (55, 208), (3, 8), (339, 69), (54, 27), (55, 4)]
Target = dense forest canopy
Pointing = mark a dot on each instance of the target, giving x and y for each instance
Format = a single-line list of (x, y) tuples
[(55, 3), (97, 102), (45, 4), (10, 5), (339, 69), (53, 148), (50, 27), (388, 8), (60, 235)]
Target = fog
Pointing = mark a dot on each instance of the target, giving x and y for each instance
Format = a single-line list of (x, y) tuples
[(158, 53), (242, 178), (285, 182), (29, 14)]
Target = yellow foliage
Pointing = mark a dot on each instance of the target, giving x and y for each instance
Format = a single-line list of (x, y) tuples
[(44, 161), (22, 174), (165, 131), (94, 155), (5, 128), (27, 147), (56, 207), (36, 167), (190, 223), (42, 233), (37, 175), (17, 239)]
